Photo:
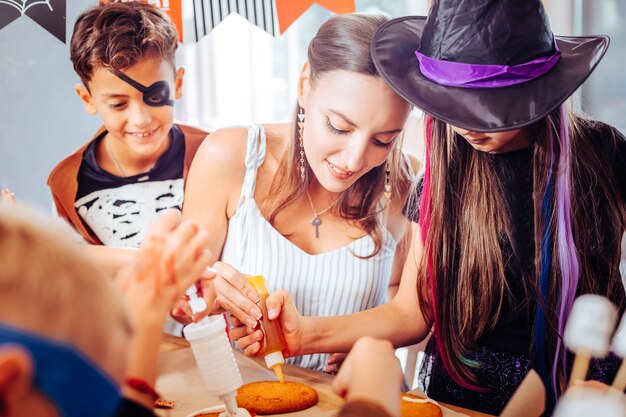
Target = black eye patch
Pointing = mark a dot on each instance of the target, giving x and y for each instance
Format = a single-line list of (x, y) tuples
[(155, 95)]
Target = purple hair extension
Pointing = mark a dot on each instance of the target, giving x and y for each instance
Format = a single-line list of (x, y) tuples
[(568, 259)]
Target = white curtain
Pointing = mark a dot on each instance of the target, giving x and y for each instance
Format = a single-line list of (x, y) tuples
[(239, 74)]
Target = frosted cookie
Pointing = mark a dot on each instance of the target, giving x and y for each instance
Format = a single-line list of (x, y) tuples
[(272, 397), (414, 406)]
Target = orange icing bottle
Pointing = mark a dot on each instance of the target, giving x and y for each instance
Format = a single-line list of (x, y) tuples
[(273, 342)]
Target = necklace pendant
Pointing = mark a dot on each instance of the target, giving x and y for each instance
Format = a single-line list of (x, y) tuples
[(316, 223)]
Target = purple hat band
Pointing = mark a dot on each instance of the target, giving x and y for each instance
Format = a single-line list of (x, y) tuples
[(458, 74)]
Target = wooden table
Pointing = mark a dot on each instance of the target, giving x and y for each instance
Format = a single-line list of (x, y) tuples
[(179, 380)]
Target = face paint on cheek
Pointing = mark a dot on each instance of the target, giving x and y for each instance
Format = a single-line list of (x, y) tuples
[(155, 95)]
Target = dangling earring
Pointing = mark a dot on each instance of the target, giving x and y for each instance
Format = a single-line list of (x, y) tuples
[(301, 134), (387, 191)]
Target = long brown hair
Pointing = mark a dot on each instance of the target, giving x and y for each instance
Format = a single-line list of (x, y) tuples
[(470, 223), (342, 43)]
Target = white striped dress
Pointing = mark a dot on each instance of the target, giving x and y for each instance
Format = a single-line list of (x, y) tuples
[(327, 284)]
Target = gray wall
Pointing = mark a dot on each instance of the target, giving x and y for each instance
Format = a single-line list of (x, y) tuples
[(41, 118)]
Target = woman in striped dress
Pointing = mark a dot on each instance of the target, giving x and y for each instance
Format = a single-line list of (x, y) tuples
[(315, 206)]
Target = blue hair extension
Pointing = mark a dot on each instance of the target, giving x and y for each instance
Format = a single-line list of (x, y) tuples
[(539, 336)]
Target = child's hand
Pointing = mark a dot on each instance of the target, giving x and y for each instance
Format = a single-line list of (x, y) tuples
[(170, 259), (334, 363), (596, 385), (7, 196), (182, 310), (371, 372)]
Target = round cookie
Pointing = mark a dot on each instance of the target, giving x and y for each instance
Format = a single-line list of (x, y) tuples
[(415, 409), (272, 397)]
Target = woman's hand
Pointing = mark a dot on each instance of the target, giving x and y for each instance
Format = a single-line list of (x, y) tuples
[(227, 291), (232, 293), (279, 307), (371, 372)]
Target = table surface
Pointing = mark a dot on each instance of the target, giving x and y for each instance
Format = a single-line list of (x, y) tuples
[(179, 380)]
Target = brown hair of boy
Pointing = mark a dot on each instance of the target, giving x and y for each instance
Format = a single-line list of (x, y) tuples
[(119, 35)]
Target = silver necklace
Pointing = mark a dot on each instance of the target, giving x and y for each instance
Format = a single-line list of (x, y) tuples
[(117, 163), (316, 221)]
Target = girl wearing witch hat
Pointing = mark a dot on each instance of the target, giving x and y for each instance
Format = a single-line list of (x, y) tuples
[(520, 210)]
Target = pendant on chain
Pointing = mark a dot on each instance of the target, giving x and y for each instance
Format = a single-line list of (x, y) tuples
[(316, 223)]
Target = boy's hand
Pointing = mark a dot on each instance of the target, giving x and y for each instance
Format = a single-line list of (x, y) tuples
[(371, 372), (334, 363), (7, 196), (591, 384), (182, 310), (170, 259)]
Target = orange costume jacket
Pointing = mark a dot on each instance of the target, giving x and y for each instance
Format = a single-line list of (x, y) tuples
[(64, 184)]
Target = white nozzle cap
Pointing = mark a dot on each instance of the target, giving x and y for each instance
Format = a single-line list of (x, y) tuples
[(198, 305), (208, 326), (273, 359), (230, 401), (619, 339), (590, 325), (192, 290)]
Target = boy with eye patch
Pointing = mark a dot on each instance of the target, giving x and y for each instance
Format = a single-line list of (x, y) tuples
[(115, 185)]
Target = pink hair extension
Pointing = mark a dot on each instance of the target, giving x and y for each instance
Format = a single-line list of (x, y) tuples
[(425, 209), (424, 218), (568, 260), (424, 221)]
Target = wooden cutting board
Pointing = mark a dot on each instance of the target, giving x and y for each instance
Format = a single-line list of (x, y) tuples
[(179, 380)]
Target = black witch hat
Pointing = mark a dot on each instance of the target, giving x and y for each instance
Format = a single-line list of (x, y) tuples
[(484, 65)]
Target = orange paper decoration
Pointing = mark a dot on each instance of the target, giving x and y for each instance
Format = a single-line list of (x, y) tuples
[(172, 7), (289, 10)]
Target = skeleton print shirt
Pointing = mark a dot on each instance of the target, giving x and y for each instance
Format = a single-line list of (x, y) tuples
[(118, 210)]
